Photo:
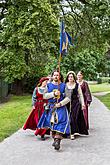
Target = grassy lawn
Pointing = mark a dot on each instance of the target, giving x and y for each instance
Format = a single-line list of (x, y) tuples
[(99, 87), (105, 99), (13, 115), (105, 87)]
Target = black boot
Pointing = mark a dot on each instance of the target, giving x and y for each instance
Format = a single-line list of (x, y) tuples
[(57, 144), (42, 137)]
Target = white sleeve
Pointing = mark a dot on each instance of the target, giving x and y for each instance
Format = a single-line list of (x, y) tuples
[(65, 101), (47, 95), (67, 98), (34, 98), (81, 95)]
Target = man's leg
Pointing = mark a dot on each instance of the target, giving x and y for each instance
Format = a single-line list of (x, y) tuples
[(57, 139), (53, 136)]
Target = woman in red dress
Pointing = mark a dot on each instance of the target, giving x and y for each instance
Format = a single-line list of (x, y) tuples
[(86, 94), (38, 109)]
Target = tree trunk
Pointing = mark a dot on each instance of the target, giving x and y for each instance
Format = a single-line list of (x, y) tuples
[(17, 87)]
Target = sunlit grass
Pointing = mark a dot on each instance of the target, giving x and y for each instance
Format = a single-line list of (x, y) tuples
[(105, 99), (13, 115), (97, 88), (105, 87)]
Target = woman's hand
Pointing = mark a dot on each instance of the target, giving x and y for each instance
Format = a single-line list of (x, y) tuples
[(83, 107), (88, 104), (33, 107)]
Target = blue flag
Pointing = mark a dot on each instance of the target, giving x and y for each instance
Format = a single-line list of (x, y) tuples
[(65, 40)]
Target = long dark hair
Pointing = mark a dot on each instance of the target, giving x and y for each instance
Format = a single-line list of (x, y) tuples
[(74, 76)]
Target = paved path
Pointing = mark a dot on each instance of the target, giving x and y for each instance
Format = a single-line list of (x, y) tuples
[(23, 148), (101, 93)]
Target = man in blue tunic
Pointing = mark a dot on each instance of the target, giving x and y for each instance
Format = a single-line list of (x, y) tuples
[(57, 118)]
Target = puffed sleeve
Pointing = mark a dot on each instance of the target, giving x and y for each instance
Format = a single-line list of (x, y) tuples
[(34, 98), (47, 95), (88, 93), (67, 98)]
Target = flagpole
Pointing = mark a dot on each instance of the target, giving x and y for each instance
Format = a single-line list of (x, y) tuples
[(59, 62)]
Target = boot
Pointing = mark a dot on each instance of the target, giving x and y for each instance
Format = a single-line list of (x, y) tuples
[(42, 137), (57, 144), (53, 144)]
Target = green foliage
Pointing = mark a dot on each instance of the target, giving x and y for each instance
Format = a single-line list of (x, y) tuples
[(28, 31), (103, 80), (90, 62), (99, 80), (15, 66), (51, 64), (89, 23)]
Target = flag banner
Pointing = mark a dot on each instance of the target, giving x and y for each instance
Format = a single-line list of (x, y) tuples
[(65, 40)]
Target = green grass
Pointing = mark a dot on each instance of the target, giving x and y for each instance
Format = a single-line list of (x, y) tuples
[(105, 87), (99, 87), (105, 99), (13, 115)]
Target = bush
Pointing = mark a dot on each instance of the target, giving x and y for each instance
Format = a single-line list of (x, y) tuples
[(99, 81), (103, 80)]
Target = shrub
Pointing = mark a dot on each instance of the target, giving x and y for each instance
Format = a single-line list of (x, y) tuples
[(103, 80), (99, 81)]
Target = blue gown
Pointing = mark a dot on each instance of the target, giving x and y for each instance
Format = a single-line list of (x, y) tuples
[(60, 121)]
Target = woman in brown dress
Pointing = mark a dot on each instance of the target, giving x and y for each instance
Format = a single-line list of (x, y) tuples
[(86, 94)]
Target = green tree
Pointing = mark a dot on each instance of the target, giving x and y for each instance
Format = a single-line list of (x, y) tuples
[(28, 33), (89, 23)]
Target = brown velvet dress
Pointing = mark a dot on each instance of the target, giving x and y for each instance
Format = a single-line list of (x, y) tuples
[(87, 100)]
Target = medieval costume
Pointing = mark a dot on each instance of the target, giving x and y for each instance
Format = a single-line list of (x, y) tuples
[(87, 100), (38, 109), (75, 103), (86, 94), (56, 119), (77, 122)]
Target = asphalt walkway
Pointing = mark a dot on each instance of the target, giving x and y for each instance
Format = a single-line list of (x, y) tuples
[(23, 148)]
